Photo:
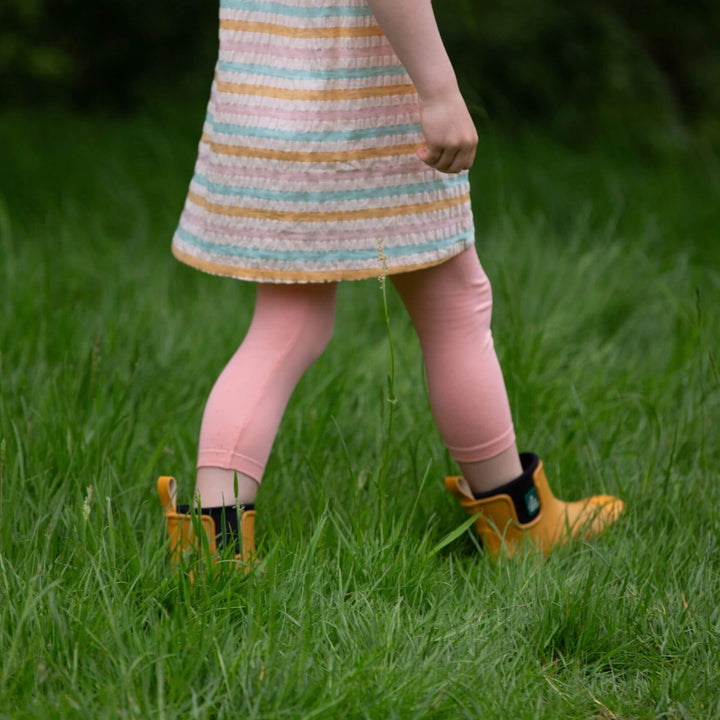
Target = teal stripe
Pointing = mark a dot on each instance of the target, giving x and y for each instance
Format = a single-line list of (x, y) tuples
[(301, 74), (313, 135), (304, 12), (342, 255), (322, 196)]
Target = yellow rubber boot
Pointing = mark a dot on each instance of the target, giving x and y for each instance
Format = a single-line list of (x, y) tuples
[(183, 538), (525, 513)]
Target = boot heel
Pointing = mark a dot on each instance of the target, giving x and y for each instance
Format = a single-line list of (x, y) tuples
[(247, 533), (183, 538), (186, 546)]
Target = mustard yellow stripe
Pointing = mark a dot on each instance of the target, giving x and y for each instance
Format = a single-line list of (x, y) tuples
[(338, 31), (310, 157), (298, 276), (318, 95), (318, 216)]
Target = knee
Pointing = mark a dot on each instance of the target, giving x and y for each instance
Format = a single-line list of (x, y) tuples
[(483, 296), (456, 299), (310, 323), (317, 326), (295, 321), (470, 295)]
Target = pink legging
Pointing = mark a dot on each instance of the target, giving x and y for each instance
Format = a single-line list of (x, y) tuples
[(450, 306)]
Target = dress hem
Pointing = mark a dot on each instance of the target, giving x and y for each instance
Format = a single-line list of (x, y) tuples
[(304, 276)]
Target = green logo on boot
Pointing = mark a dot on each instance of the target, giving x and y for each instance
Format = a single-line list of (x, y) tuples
[(532, 503)]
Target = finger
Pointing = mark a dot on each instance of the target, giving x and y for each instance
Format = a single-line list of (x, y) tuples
[(471, 158), (432, 160), (433, 155), (463, 160), (450, 160)]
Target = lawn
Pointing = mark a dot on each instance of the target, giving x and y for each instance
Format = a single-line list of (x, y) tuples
[(605, 264)]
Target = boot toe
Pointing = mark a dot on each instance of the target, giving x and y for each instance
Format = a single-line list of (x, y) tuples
[(601, 512), (610, 506)]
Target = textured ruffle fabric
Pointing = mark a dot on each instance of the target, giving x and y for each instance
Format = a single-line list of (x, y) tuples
[(306, 169)]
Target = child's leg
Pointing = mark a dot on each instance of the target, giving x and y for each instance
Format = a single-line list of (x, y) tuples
[(451, 305), (291, 326)]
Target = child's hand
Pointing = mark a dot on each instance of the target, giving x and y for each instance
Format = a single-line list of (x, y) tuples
[(450, 135)]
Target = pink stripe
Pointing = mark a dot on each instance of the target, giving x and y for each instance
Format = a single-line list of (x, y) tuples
[(366, 179), (367, 176), (381, 51), (228, 110)]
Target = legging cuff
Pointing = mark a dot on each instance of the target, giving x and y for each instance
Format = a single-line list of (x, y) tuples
[(229, 460), (484, 451)]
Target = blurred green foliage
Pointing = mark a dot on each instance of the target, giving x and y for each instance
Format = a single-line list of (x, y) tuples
[(104, 53), (575, 66), (580, 66)]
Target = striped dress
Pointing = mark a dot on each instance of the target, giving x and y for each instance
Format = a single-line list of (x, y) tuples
[(307, 168)]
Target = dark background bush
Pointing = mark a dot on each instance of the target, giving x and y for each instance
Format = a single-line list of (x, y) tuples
[(105, 53), (576, 66)]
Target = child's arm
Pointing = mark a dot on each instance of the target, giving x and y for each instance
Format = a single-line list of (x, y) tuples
[(410, 27), (450, 136)]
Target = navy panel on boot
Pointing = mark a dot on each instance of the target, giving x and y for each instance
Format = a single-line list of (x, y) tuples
[(521, 490), (226, 524)]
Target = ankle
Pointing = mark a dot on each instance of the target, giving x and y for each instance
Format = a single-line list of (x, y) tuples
[(218, 487), (521, 490), (487, 475)]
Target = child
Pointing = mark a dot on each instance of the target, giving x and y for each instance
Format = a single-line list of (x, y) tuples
[(337, 147)]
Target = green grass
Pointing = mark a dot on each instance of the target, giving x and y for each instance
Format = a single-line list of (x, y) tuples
[(605, 265)]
